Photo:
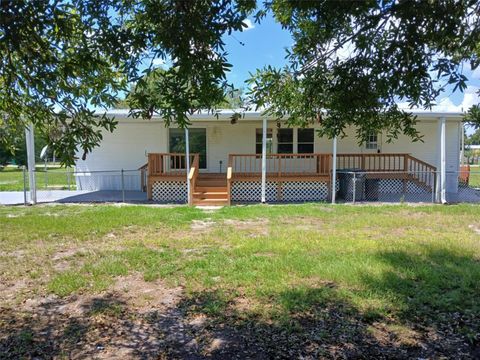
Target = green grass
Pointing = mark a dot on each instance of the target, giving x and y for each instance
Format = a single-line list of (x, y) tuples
[(475, 176), (11, 178), (381, 262)]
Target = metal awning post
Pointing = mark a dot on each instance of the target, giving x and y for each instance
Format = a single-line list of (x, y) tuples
[(264, 159), (30, 142), (443, 160), (187, 161), (462, 151), (334, 170)]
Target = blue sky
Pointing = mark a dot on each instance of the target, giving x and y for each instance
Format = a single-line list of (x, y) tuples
[(263, 44)]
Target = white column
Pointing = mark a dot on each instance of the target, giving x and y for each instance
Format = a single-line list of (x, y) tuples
[(334, 170), (29, 139), (264, 159), (443, 160), (462, 150), (187, 161)]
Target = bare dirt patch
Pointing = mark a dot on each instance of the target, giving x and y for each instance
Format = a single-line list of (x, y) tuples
[(202, 225), (254, 227), (305, 223), (475, 228)]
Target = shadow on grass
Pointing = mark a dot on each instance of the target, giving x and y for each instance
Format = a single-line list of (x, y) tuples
[(436, 293)]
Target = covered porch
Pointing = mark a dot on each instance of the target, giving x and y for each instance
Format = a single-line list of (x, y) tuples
[(177, 177)]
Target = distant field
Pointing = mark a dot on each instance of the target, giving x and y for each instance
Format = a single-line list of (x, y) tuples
[(11, 178)]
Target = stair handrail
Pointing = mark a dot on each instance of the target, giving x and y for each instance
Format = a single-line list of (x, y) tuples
[(192, 176), (229, 179), (143, 176), (421, 171)]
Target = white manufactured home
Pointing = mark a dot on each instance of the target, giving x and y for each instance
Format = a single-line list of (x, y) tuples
[(256, 158)]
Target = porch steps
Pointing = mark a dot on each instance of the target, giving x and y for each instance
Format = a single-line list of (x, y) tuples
[(210, 189)]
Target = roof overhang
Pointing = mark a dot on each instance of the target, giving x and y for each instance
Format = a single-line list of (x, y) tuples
[(226, 115)]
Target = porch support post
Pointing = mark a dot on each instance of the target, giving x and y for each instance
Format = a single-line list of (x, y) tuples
[(264, 159), (462, 151), (442, 178), (187, 163), (30, 142), (334, 170)]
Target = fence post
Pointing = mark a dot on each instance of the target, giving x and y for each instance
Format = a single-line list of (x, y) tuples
[(24, 185), (68, 179), (354, 187), (123, 186), (434, 190), (46, 174)]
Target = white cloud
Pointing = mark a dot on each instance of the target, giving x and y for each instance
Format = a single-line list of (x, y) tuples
[(248, 25), (470, 97)]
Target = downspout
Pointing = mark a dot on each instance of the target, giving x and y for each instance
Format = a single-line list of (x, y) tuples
[(264, 159)]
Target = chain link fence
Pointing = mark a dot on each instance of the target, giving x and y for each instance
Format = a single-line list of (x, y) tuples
[(353, 186), (414, 187), (69, 185)]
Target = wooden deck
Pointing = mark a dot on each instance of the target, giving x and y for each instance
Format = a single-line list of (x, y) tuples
[(215, 188)]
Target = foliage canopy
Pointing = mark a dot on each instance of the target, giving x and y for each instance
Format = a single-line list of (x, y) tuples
[(350, 64)]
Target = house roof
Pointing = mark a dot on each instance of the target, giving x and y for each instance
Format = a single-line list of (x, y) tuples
[(226, 114)]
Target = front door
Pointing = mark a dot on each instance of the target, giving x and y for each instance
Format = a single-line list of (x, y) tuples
[(197, 140)]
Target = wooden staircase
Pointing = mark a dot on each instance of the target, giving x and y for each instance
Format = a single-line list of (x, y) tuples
[(210, 189)]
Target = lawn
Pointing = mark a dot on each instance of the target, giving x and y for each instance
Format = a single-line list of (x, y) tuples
[(475, 176), (55, 177), (252, 281)]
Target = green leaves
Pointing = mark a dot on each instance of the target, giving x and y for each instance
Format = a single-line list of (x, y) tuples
[(62, 59), (352, 62)]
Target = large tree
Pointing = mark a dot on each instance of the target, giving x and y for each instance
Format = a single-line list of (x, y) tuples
[(352, 62), (62, 58)]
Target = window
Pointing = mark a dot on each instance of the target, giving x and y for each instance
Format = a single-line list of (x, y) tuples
[(305, 141), (258, 141), (285, 141), (197, 142), (372, 142)]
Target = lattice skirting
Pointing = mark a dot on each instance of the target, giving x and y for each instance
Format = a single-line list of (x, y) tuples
[(288, 191), (395, 186), (170, 191)]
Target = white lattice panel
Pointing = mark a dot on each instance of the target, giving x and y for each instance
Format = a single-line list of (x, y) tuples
[(290, 191), (293, 191), (251, 191), (390, 186), (414, 188), (170, 191), (395, 186)]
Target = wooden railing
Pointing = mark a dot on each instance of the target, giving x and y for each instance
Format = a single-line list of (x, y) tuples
[(421, 171), (168, 164), (372, 162), (311, 165), (143, 176), (280, 165), (192, 176)]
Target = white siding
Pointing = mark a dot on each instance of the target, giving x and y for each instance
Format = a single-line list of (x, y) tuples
[(127, 145)]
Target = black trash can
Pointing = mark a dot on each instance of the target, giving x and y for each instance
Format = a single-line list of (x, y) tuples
[(372, 189), (352, 183)]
